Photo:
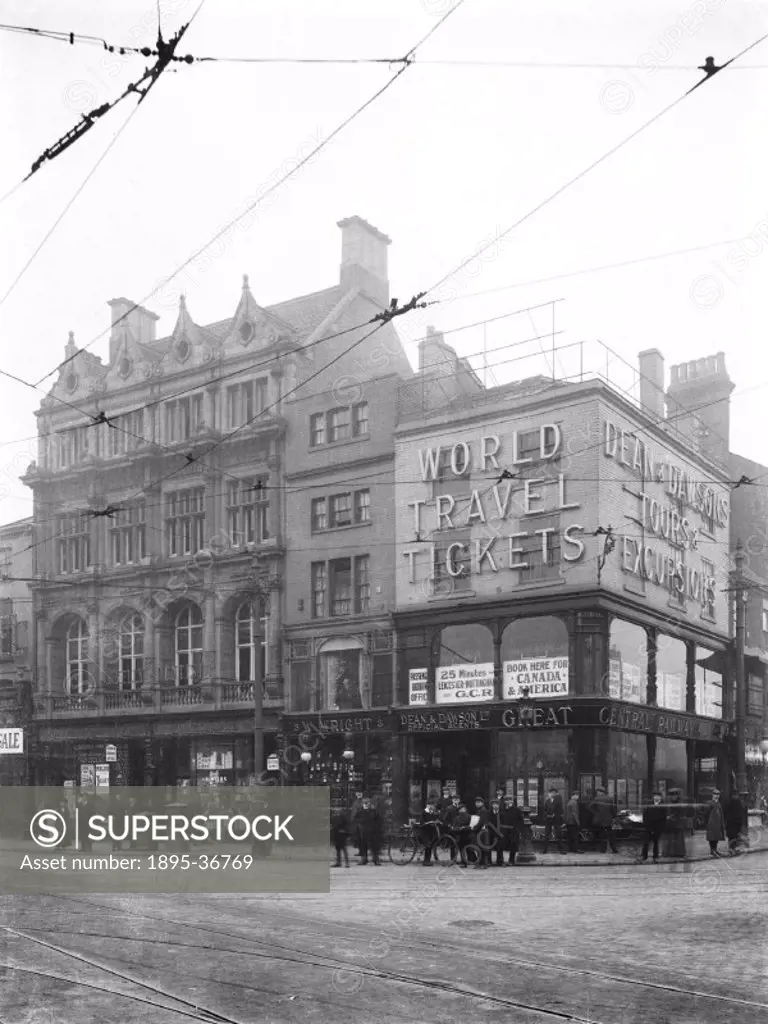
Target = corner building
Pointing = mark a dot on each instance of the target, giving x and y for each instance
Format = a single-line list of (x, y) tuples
[(562, 561)]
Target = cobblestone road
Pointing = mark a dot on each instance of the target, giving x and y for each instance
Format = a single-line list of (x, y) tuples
[(683, 944)]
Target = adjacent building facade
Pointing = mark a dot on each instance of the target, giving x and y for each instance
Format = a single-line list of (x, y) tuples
[(162, 502), (16, 651)]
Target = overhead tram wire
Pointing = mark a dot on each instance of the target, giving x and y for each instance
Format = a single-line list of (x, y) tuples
[(67, 208), (382, 320), (408, 58), (72, 38), (583, 173), (91, 420), (287, 489), (86, 123)]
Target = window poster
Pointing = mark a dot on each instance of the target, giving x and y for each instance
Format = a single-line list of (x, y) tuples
[(434, 791), (417, 686), (464, 684), (533, 795)]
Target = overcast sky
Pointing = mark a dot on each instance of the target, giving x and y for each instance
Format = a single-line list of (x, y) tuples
[(450, 155)]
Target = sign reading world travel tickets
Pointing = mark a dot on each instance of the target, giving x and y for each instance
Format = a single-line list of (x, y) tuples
[(544, 677), (463, 684)]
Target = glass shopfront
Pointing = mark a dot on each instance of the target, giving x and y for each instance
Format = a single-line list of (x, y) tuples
[(671, 672), (628, 662)]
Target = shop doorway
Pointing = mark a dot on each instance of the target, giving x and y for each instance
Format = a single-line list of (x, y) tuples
[(460, 761)]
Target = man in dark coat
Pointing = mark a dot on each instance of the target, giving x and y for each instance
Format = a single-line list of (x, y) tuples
[(573, 822), (340, 829), (357, 803), (448, 825), (481, 836), (734, 822), (511, 826), (495, 834), (462, 833), (654, 821), (429, 833), (368, 820), (602, 820), (553, 820), (715, 823), (445, 801)]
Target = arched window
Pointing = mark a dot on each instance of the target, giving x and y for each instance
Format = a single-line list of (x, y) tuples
[(189, 646), (248, 645), (77, 657), (464, 670), (131, 652), (534, 658)]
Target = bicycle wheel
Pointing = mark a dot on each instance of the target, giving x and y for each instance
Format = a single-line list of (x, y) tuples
[(402, 850), (448, 845)]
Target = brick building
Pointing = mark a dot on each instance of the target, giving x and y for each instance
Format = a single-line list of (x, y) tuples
[(340, 521), (703, 385), (16, 654), (164, 524)]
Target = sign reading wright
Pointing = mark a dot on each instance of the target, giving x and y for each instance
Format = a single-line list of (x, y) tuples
[(145, 840)]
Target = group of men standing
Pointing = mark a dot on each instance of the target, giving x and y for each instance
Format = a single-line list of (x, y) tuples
[(363, 824), (556, 816), (475, 834)]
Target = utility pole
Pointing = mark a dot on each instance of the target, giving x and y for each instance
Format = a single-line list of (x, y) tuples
[(740, 594)]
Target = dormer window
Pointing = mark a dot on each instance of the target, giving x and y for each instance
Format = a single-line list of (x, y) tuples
[(125, 367), (182, 350), (246, 331)]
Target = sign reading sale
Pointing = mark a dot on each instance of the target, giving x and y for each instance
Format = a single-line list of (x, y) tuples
[(11, 741)]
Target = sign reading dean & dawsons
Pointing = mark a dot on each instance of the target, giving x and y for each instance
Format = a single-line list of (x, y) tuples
[(678, 515)]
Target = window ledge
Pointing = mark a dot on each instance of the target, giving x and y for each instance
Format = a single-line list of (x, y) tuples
[(338, 444), (340, 529)]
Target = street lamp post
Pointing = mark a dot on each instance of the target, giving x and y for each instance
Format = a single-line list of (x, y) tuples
[(526, 854), (348, 756), (306, 757)]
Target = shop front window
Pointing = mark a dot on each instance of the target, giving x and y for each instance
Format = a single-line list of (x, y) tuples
[(709, 671), (628, 662), (464, 671), (671, 766), (671, 671), (340, 688), (534, 656)]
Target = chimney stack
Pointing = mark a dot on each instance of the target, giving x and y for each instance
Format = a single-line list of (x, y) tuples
[(436, 354), (141, 322), (652, 400), (698, 405), (364, 259)]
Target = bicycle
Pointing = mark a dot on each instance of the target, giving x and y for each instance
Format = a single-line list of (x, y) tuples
[(404, 847)]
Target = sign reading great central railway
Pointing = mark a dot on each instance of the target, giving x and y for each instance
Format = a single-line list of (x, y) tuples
[(563, 715)]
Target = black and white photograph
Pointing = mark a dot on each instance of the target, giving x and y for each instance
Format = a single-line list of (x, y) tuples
[(383, 512)]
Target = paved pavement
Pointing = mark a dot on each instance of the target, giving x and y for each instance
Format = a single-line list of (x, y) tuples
[(680, 943)]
